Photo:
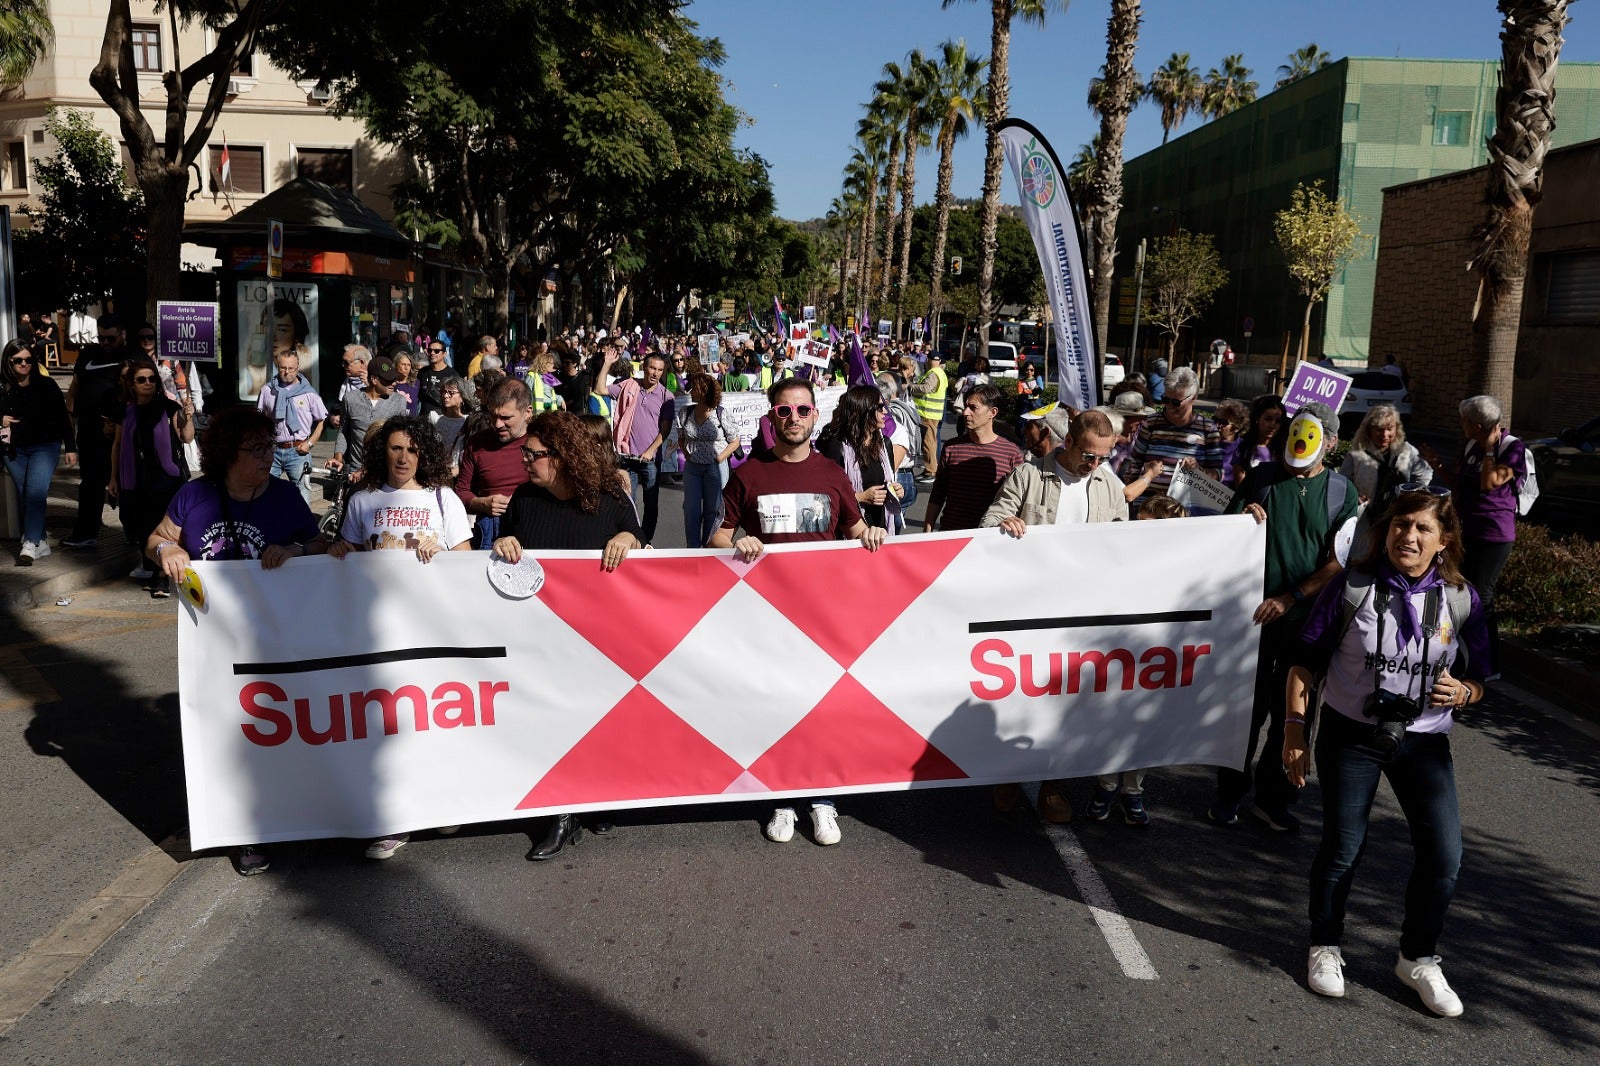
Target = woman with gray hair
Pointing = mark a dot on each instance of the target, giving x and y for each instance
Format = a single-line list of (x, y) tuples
[(1493, 466)]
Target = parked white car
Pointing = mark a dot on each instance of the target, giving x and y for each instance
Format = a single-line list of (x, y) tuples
[(1368, 388), (1002, 359), (1112, 374)]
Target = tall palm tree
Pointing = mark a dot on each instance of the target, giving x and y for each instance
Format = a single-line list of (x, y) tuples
[(841, 218), (1228, 89), (1105, 199), (25, 35), (1080, 173), (918, 87), (1530, 47), (957, 100), (1097, 90), (873, 138), (858, 190), (1302, 61), (1177, 87), (888, 103)]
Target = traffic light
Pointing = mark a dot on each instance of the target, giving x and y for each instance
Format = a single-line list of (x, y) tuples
[(955, 264)]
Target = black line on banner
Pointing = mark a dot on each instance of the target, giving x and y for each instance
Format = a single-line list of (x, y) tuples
[(1083, 621), (338, 662)]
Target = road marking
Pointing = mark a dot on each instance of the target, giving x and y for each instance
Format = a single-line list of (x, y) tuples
[(26, 980), (1120, 938)]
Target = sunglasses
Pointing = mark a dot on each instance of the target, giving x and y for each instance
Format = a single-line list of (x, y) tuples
[(145, 379), (147, 336), (1095, 458), (1174, 402), (533, 455), (1432, 490), (801, 410), (435, 351), (21, 360)]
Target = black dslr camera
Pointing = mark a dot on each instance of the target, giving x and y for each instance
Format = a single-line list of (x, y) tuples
[(1393, 713)]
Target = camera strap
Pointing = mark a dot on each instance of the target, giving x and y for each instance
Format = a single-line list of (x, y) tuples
[(1430, 626)]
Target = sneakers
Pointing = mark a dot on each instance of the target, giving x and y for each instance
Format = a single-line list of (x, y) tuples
[(27, 551), (41, 549), (1325, 971), (141, 573), (1427, 978), (24, 559), (1223, 813), (1133, 811), (1100, 805), (79, 544), (250, 860), (385, 848), (824, 824), (1279, 821), (780, 830), (924, 478)]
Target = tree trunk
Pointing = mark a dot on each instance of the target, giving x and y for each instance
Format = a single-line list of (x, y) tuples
[(1499, 314), (616, 309), (1122, 37), (947, 147), (1305, 331), (164, 202), (891, 225), (999, 106), (908, 203), (864, 271)]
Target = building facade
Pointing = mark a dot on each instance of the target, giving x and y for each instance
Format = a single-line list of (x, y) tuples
[(1358, 126)]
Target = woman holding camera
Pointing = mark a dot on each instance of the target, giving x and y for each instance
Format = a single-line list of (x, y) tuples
[(1403, 641)]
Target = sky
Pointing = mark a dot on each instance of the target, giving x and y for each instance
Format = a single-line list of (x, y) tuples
[(800, 72)]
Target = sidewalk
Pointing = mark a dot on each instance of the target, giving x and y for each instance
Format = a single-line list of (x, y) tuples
[(64, 572)]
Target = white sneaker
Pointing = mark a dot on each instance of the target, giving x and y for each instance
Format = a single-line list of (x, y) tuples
[(1427, 978), (824, 825), (30, 550), (1325, 971), (781, 829), (41, 549), (385, 848)]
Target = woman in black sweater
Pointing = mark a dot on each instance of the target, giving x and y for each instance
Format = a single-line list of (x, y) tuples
[(37, 428)]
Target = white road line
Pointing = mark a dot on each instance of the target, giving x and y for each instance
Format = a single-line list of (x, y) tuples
[(1120, 938)]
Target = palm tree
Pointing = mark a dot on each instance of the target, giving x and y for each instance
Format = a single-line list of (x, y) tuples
[(1177, 87), (918, 86), (1105, 199), (841, 219), (859, 190), (888, 103), (1002, 14), (1097, 90), (958, 98), (1228, 89), (1080, 173), (25, 35), (1530, 46), (873, 136), (1302, 61)]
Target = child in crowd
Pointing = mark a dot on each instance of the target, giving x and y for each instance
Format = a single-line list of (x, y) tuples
[(1130, 783)]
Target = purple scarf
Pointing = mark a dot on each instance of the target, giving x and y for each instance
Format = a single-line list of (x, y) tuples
[(161, 441), (1403, 587)]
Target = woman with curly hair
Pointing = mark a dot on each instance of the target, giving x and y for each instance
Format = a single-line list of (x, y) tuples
[(572, 502), (854, 439), (406, 503), (235, 509)]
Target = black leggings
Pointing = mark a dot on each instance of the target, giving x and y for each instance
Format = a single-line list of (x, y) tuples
[(1483, 561)]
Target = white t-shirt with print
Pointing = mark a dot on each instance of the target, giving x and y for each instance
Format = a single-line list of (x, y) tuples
[(405, 519)]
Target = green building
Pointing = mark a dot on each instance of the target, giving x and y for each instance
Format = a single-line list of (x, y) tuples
[(1358, 126)]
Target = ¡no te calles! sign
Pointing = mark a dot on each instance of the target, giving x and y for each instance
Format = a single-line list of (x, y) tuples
[(303, 719)]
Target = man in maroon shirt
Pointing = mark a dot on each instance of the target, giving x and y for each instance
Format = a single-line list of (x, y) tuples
[(972, 466), (491, 461), (788, 495)]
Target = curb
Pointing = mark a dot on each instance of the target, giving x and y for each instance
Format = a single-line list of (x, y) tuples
[(46, 592), (1564, 682)]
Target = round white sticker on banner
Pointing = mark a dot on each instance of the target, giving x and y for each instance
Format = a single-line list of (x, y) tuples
[(518, 580)]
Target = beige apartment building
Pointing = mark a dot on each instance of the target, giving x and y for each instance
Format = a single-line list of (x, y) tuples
[(276, 128)]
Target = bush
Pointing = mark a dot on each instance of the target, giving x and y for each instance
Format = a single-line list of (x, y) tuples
[(1549, 581)]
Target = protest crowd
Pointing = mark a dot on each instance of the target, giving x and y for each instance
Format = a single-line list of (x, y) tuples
[(1376, 624)]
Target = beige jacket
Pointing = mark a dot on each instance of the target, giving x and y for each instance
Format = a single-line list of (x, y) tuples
[(1032, 493)]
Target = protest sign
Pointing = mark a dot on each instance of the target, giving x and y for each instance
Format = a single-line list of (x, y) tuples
[(305, 715), (1311, 382), (187, 330), (1202, 495)]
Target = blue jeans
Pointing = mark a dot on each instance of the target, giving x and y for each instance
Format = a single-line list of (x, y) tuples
[(1423, 778), (485, 532), (32, 469), (648, 475), (288, 462), (702, 500)]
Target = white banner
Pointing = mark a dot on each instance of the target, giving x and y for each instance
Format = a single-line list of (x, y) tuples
[(379, 695), (1042, 184)]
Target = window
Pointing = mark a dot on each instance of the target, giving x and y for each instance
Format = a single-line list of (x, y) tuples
[(13, 167), (245, 66), (1572, 293), (147, 47), (1451, 127), (331, 166), (246, 164)]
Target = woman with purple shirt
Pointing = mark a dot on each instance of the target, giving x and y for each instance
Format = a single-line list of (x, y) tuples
[(1404, 644), (1493, 464)]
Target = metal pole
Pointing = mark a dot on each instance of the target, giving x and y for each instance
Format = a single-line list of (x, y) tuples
[(1138, 303)]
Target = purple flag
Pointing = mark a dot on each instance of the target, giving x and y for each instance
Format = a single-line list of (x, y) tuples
[(647, 340), (780, 324), (833, 335), (860, 370)]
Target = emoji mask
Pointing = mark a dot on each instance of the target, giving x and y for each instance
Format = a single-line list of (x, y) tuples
[(1305, 441)]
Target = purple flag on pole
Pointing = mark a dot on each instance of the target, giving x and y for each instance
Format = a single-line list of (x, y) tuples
[(860, 370)]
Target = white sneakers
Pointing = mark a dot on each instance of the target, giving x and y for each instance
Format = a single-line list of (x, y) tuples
[(1325, 977), (1427, 978), (1325, 971), (824, 825), (34, 549)]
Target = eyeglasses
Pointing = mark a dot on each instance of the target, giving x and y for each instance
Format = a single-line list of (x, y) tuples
[(260, 448), (801, 410), (21, 360), (533, 455), (1095, 458), (1173, 401), (145, 379), (1417, 486)]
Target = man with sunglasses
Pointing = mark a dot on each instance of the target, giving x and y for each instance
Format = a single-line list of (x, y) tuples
[(431, 379), (1180, 437), (96, 382), (792, 494), (1072, 483)]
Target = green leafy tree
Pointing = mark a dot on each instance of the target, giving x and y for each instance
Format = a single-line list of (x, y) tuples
[(1228, 89), (26, 34), (1177, 89), (86, 239), (1181, 275), (957, 100), (1318, 238), (1302, 61)]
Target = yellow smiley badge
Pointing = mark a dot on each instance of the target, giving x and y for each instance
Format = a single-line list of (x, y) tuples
[(193, 590)]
